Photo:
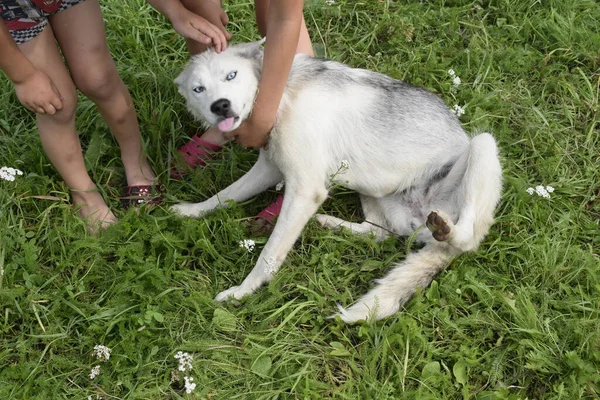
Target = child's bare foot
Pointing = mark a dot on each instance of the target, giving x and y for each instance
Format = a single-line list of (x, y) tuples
[(140, 174), (93, 210)]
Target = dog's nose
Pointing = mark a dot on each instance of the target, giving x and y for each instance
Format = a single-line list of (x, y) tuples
[(221, 107)]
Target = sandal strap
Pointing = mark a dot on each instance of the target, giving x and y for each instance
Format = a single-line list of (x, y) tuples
[(135, 195), (196, 145), (272, 211), (195, 152)]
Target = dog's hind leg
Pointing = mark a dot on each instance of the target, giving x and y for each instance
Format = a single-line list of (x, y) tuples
[(374, 223), (475, 183), (259, 178), (299, 205), (400, 284)]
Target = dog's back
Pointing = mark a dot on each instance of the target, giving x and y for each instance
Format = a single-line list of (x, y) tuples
[(333, 112)]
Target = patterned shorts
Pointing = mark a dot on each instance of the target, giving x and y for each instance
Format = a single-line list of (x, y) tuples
[(26, 19)]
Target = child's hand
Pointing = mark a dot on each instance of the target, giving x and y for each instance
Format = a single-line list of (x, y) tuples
[(38, 94), (195, 27), (253, 132)]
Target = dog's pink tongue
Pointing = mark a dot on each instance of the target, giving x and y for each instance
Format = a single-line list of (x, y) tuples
[(225, 125)]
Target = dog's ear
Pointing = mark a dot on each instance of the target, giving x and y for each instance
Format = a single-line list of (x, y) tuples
[(251, 50), (180, 81)]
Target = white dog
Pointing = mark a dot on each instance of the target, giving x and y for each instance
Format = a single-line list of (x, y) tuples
[(397, 145)]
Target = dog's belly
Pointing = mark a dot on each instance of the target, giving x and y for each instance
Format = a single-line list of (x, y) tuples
[(374, 186)]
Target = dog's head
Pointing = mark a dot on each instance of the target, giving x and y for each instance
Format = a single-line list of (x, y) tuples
[(220, 88)]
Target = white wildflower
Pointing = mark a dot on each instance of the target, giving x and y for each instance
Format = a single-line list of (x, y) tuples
[(280, 186), (458, 110), (541, 190), (185, 361), (456, 80), (248, 244), (451, 72), (95, 372), (330, 2), (189, 384), (270, 266), (9, 173), (101, 352), (345, 164)]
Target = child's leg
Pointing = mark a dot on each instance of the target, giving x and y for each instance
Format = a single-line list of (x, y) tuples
[(58, 134), (262, 17), (80, 32)]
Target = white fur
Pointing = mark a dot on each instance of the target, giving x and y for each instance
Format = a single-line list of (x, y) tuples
[(330, 115)]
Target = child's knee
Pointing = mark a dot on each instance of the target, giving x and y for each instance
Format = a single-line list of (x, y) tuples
[(66, 115), (98, 83)]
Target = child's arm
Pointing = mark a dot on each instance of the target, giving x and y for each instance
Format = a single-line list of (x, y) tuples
[(283, 31), (190, 25), (34, 88)]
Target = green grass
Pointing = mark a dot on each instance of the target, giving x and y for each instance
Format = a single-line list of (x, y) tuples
[(517, 319)]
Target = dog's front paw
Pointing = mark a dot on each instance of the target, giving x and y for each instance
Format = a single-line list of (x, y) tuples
[(233, 293), (186, 209)]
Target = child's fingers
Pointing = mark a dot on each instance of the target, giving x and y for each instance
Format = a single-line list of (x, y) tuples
[(49, 109), (224, 18), (57, 104), (57, 100), (215, 34), (218, 38), (199, 36)]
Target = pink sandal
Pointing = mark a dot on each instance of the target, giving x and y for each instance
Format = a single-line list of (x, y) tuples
[(265, 220), (195, 153)]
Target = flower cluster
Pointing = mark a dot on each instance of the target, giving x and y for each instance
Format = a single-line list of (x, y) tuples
[(330, 2), (280, 186), (455, 78), (8, 173), (101, 352), (458, 110), (189, 384), (95, 372), (541, 191), (185, 364), (185, 361), (248, 244)]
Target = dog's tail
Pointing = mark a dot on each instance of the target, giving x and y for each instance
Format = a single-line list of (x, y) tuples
[(400, 284)]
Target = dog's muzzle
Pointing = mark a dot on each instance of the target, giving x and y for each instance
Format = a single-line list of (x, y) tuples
[(221, 108)]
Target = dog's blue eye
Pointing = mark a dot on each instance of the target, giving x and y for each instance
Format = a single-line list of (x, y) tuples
[(231, 75), (199, 89)]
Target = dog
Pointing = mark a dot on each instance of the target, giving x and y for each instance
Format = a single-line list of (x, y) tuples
[(399, 146)]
